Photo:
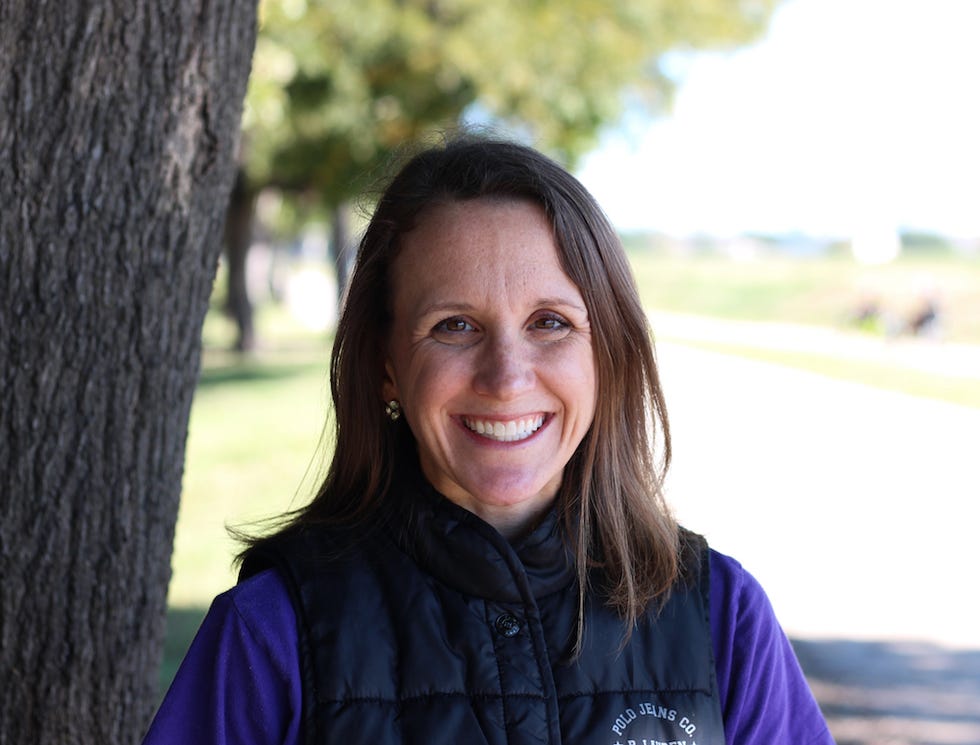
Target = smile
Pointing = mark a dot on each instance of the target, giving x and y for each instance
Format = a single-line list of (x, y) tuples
[(511, 431)]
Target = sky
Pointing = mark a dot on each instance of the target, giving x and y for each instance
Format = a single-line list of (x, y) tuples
[(849, 117)]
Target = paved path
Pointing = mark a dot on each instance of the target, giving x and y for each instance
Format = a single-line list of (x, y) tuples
[(857, 509), (895, 693)]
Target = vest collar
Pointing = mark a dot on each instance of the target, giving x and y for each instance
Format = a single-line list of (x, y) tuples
[(460, 549)]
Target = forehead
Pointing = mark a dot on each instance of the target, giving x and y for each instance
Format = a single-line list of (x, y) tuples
[(461, 223), (478, 249)]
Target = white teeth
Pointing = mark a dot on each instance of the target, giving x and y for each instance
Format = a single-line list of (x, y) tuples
[(512, 431)]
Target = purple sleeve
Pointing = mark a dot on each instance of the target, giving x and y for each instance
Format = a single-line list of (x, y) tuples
[(764, 696), (239, 683)]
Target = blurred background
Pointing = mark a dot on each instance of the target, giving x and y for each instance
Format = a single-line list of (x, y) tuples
[(797, 184)]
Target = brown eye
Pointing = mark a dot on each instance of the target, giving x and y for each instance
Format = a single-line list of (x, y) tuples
[(550, 323), (454, 325)]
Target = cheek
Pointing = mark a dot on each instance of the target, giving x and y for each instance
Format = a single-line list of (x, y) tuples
[(573, 377), (428, 380)]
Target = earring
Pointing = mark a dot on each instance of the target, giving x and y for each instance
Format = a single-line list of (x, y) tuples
[(393, 410)]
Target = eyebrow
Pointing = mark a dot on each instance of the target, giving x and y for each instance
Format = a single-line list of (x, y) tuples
[(463, 307), (561, 301), (450, 305)]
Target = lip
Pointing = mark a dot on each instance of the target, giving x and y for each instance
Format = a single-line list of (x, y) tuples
[(504, 430)]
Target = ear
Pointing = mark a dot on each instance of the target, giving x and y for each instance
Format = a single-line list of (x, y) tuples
[(389, 388)]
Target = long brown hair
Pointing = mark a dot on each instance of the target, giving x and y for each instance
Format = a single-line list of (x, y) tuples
[(610, 498)]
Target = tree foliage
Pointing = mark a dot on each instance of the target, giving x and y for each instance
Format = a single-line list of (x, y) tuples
[(337, 86)]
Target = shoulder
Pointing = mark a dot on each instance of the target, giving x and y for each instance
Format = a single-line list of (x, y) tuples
[(255, 619), (743, 622), (262, 604), (246, 647), (764, 694), (733, 589)]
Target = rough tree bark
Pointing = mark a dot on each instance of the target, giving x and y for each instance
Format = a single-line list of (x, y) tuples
[(118, 125)]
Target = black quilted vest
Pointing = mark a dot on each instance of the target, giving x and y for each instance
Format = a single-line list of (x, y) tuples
[(429, 628)]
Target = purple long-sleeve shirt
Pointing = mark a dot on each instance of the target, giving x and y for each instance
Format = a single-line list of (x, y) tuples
[(240, 682)]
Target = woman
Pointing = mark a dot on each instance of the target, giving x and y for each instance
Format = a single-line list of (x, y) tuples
[(490, 558)]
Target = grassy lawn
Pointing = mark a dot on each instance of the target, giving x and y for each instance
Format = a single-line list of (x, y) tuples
[(251, 454), (257, 421), (819, 291)]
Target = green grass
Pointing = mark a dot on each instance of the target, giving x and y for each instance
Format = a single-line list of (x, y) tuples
[(820, 291), (252, 436), (182, 624), (252, 444)]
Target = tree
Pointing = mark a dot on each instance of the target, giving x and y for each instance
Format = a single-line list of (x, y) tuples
[(338, 87), (238, 238), (118, 131)]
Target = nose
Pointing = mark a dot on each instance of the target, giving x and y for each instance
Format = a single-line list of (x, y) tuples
[(504, 368)]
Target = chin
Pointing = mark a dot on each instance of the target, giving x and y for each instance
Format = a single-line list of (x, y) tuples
[(514, 494)]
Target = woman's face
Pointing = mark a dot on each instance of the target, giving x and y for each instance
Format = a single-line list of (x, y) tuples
[(490, 355)]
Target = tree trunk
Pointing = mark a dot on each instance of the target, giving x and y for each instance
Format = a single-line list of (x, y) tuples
[(118, 125), (238, 239)]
